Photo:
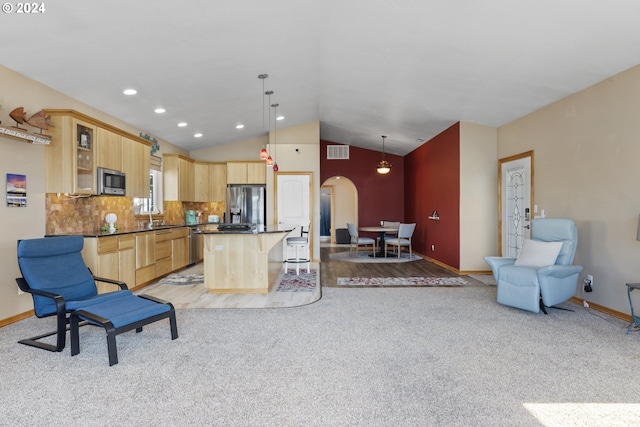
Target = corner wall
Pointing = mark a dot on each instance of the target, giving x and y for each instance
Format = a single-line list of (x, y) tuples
[(586, 168)]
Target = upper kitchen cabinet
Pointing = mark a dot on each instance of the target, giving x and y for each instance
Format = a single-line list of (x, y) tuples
[(136, 164), (109, 150), (247, 172), (179, 176), (218, 181), (81, 143), (202, 174), (70, 161)]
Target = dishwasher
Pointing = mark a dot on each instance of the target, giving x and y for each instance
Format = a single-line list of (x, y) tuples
[(195, 245)]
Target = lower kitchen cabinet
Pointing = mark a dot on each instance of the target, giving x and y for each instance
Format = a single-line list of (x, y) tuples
[(179, 248), (127, 259), (163, 252), (145, 257)]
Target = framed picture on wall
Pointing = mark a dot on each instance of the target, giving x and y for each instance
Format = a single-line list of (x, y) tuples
[(16, 190)]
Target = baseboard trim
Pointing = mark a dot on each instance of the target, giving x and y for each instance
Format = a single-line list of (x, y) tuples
[(606, 310), (16, 318)]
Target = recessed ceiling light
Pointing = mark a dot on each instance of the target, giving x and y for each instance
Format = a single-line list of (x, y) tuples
[(160, 110), (197, 135), (239, 126), (129, 91), (280, 118), (182, 124)]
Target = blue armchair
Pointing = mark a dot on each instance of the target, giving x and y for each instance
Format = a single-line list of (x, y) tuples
[(61, 285), (525, 285)]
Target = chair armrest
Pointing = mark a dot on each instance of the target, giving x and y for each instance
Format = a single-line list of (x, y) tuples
[(495, 262), (559, 271), (122, 285)]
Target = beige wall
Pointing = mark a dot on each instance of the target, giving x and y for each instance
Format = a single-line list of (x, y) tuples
[(478, 196), (345, 197), (23, 158), (587, 148)]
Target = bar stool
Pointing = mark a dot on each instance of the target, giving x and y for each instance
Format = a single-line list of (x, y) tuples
[(300, 243)]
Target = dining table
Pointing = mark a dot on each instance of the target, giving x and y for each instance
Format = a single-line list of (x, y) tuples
[(381, 230)]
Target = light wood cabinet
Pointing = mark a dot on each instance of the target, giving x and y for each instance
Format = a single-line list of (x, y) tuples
[(202, 179), (179, 248), (101, 257), (108, 150), (218, 181), (127, 259), (136, 164), (178, 175), (247, 172), (81, 143), (145, 257), (163, 252), (70, 163)]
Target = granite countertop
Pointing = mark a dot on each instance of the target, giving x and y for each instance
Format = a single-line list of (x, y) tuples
[(200, 229), (100, 233), (213, 229)]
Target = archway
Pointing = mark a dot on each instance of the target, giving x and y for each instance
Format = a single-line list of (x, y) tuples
[(338, 206)]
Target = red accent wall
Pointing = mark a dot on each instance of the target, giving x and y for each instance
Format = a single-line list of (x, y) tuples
[(432, 182), (380, 197)]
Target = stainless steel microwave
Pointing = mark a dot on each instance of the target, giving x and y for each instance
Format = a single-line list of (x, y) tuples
[(111, 183)]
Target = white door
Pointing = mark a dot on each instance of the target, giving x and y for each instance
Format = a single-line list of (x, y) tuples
[(293, 195), (516, 202)]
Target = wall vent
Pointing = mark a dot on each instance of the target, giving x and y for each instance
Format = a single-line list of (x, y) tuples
[(337, 152)]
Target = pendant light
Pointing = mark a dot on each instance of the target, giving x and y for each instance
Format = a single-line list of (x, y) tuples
[(263, 153), (384, 167), (275, 134), (269, 158)]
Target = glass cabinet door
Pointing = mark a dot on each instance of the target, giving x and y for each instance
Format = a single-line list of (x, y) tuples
[(85, 157)]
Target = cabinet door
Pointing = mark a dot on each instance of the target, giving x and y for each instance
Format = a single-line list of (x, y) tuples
[(84, 138), (127, 259), (180, 252), (109, 150), (218, 184), (202, 182), (136, 164), (187, 185), (178, 176), (145, 249), (236, 173), (257, 172)]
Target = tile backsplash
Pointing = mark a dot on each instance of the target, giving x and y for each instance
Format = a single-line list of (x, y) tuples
[(85, 215)]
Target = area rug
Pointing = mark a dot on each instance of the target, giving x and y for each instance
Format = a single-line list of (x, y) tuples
[(363, 257), (400, 281), (303, 282), (182, 279)]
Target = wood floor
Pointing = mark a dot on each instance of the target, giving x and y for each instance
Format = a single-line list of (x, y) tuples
[(330, 269)]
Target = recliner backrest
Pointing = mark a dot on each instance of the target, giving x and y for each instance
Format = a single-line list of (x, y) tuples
[(55, 264), (557, 230)]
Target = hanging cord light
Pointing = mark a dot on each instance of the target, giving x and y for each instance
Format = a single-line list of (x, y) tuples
[(269, 93), (383, 167), (263, 152), (275, 135)]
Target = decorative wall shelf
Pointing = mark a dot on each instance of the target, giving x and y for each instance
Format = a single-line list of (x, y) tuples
[(435, 218), (34, 138)]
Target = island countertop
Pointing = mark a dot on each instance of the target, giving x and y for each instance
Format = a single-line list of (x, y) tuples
[(259, 229)]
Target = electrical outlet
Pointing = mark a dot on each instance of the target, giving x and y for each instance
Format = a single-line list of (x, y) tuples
[(590, 279), (433, 248)]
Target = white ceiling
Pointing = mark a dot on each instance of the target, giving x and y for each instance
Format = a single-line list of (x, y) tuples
[(404, 68)]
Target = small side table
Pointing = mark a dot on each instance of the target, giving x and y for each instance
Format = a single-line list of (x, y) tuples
[(635, 320)]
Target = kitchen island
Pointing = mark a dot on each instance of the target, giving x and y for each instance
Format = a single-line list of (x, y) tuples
[(243, 261)]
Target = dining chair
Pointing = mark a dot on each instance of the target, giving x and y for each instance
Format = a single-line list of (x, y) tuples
[(389, 234), (405, 231), (357, 241)]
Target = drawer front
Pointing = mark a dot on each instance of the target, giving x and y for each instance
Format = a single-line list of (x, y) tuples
[(163, 235), (126, 242), (163, 267), (107, 244), (163, 250), (177, 233), (145, 274)]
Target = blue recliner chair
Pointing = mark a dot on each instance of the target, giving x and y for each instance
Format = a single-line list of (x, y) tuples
[(534, 288), (61, 285)]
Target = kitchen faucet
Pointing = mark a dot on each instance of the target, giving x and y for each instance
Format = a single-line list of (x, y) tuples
[(150, 226)]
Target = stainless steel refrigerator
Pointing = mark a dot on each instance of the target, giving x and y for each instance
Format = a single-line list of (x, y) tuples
[(246, 204)]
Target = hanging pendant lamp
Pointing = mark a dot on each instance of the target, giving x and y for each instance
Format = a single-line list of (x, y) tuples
[(263, 153), (275, 134), (384, 167)]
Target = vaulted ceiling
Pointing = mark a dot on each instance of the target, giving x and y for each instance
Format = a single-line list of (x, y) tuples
[(403, 68)]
